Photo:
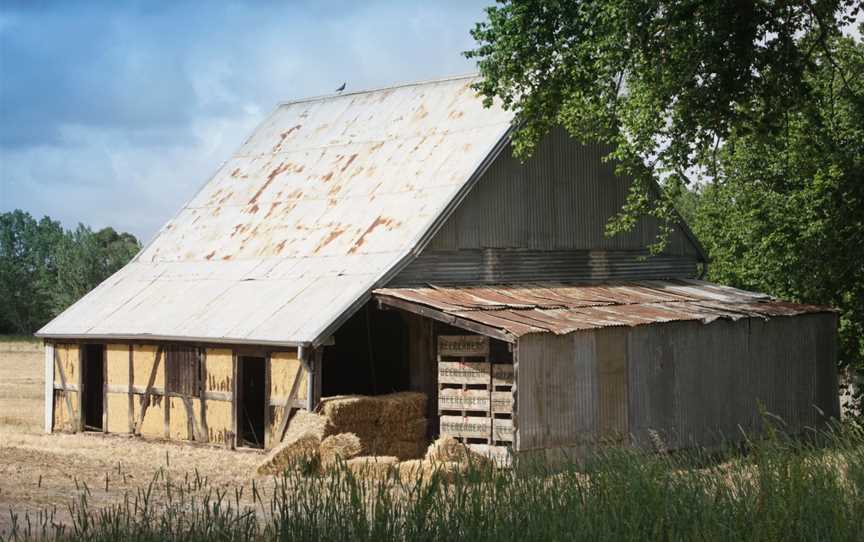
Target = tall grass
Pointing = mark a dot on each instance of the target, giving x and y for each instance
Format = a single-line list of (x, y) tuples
[(777, 489)]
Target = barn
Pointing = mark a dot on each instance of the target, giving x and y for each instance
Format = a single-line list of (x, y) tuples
[(387, 240)]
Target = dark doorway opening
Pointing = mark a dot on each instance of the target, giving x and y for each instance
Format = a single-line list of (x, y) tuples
[(93, 384), (252, 401), (370, 354)]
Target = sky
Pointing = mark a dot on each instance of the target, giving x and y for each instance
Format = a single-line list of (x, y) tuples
[(115, 113)]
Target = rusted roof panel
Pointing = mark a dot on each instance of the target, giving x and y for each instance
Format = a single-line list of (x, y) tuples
[(519, 309), (325, 198)]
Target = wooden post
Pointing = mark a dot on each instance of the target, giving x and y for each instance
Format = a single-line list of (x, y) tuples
[(202, 394), (105, 388), (235, 400), (80, 387), (267, 376), (49, 387), (131, 396)]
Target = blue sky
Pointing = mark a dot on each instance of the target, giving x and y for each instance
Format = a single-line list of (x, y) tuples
[(114, 113)]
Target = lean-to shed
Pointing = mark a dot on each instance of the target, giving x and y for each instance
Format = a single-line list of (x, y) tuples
[(359, 242)]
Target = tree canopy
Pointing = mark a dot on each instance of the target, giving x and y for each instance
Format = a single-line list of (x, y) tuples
[(44, 269), (665, 82)]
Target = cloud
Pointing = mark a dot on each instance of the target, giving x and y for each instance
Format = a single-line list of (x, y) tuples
[(115, 113)]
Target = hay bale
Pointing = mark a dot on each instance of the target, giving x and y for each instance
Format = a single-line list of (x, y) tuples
[(346, 410), (289, 452), (372, 466), (308, 423), (406, 449), (449, 450), (404, 406), (343, 447), (302, 440), (415, 470)]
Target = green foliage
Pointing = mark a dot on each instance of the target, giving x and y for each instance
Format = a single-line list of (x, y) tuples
[(782, 489), (44, 269), (785, 213), (664, 82)]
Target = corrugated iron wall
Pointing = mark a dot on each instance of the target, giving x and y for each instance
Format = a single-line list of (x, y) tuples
[(553, 208), (496, 266), (691, 383)]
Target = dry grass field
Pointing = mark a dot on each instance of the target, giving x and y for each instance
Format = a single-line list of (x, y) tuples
[(39, 470)]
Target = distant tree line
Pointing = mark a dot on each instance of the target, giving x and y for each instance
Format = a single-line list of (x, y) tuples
[(44, 268)]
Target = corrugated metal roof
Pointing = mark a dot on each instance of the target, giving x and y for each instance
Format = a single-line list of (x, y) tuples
[(325, 201), (560, 309)]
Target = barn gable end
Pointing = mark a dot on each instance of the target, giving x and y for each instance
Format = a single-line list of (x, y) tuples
[(545, 219)]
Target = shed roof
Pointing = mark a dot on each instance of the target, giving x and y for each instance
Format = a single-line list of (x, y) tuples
[(326, 200), (510, 311)]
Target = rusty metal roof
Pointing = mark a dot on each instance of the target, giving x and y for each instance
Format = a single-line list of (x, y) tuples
[(325, 201), (513, 310)]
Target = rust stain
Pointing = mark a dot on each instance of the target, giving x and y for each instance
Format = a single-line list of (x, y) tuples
[(210, 256), (456, 115), (236, 172), (376, 146), (388, 223), (273, 174), (283, 136), (226, 257), (327, 177), (334, 233), (253, 209), (348, 163), (421, 113), (272, 208), (279, 246)]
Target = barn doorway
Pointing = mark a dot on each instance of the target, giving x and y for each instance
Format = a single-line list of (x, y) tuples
[(250, 414), (93, 386)]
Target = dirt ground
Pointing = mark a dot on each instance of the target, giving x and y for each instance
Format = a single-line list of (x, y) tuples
[(42, 471)]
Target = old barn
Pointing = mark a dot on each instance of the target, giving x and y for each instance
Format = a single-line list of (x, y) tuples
[(387, 240)]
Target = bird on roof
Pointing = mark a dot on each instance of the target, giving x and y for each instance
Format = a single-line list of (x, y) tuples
[(341, 88)]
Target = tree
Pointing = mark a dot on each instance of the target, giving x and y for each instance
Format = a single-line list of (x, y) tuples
[(43, 269), (785, 213), (87, 258), (664, 82), (27, 270)]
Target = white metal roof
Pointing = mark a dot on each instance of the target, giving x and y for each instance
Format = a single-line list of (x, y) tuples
[(325, 201)]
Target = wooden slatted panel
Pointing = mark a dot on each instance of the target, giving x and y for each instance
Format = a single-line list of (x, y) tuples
[(466, 426), (183, 371), (456, 372), (461, 399)]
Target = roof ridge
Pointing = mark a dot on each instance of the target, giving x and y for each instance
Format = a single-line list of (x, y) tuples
[(331, 95)]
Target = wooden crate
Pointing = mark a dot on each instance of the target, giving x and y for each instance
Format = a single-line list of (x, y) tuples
[(502, 375), (466, 426), (502, 430), (463, 346), (464, 400), (502, 402), (457, 372)]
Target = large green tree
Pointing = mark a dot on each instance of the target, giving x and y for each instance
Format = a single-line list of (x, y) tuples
[(761, 102), (664, 82), (44, 269), (785, 212)]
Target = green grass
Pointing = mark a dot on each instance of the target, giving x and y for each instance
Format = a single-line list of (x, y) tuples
[(779, 489)]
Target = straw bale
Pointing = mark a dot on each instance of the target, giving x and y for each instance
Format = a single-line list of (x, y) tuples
[(422, 469), (289, 452), (343, 446), (372, 466), (344, 410), (302, 440), (447, 449), (406, 449), (404, 406), (308, 423)]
